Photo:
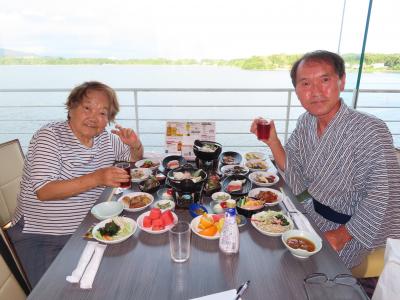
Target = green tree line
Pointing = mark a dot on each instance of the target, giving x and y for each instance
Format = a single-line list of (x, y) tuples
[(373, 61)]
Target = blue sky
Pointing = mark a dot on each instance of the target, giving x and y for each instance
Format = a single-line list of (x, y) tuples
[(194, 29)]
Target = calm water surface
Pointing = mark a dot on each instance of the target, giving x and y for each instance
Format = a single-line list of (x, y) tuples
[(21, 121)]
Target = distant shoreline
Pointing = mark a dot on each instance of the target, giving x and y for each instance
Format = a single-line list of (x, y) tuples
[(373, 62)]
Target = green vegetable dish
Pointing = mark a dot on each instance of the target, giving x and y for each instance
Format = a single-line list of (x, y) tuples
[(114, 230)]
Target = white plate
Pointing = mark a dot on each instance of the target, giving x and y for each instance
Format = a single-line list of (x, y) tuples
[(146, 174), (163, 202), (263, 165), (269, 233), (253, 175), (220, 194), (134, 195), (228, 170), (254, 192), (195, 223), (149, 230), (254, 155), (117, 240), (156, 161)]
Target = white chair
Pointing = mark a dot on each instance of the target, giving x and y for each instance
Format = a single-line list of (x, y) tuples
[(9, 254), (12, 163), (9, 286), (388, 287)]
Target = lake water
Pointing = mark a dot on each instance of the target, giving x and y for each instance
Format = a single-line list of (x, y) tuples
[(18, 120)]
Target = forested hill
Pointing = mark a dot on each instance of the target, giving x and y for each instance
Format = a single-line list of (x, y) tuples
[(373, 61)]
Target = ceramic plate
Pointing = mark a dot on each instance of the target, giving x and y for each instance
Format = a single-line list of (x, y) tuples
[(246, 186), (154, 161), (164, 204), (253, 177), (257, 165), (234, 170), (230, 158), (140, 174), (149, 230), (195, 223), (254, 192), (267, 232), (131, 228), (135, 194), (254, 155)]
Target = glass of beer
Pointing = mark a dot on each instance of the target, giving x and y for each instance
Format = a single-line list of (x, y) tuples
[(263, 128), (127, 167)]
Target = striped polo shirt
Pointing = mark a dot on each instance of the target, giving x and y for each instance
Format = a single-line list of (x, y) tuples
[(55, 153)]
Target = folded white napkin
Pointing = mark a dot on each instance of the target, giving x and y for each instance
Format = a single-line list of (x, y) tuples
[(91, 270), (303, 223), (289, 204), (83, 262), (227, 295)]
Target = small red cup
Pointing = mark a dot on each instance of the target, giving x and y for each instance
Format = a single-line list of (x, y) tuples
[(263, 128), (127, 167)]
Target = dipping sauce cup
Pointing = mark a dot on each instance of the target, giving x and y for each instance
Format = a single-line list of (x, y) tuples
[(263, 128), (127, 167)]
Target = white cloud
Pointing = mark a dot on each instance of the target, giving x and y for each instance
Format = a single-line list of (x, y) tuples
[(198, 29)]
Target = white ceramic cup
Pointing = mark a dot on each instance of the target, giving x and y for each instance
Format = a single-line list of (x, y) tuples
[(179, 241)]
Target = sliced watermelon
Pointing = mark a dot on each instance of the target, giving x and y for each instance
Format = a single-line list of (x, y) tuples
[(158, 224), (217, 217), (155, 213), (147, 221), (167, 218)]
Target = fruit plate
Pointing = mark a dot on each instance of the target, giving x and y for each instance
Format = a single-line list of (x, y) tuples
[(149, 230), (194, 226)]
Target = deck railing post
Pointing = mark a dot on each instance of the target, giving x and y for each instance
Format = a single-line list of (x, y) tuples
[(135, 94), (289, 103)]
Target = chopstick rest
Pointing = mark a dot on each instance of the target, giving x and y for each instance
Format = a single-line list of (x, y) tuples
[(91, 270), (83, 262)]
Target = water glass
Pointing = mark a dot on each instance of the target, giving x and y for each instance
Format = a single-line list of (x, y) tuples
[(127, 167), (179, 241)]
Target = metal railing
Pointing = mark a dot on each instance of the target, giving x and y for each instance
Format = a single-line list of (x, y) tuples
[(137, 107)]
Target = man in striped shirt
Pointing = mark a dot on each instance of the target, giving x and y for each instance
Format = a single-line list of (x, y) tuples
[(344, 158), (67, 167)]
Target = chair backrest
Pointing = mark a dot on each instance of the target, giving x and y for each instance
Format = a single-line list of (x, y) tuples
[(9, 286), (13, 263), (11, 166)]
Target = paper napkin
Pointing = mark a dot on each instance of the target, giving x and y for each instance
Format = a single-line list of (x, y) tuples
[(289, 204), (302, 222), (83, 262), (227, 295), (91, 270)]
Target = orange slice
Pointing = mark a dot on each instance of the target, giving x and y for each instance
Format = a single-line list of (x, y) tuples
[(209, 231), (205, 222)]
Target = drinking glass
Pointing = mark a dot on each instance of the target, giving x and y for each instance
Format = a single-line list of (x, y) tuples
[(127, 167), (263, 128), (179, 241)]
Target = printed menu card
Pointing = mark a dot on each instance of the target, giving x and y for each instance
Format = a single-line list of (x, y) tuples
[(180, 136)]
